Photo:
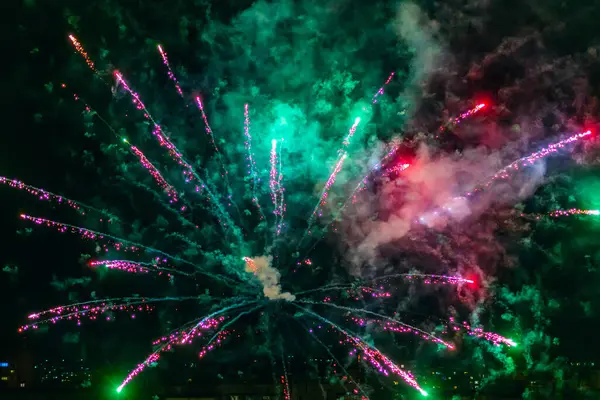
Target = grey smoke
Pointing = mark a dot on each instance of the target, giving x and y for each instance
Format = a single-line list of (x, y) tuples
[(269, 278)]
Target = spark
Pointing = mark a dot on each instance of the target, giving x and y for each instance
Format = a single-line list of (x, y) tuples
[(456, 121), (170, 73), (529, 160), (79, 48), (189, 173), (138, 266), (424, 335), (381, 363), (45, 195), (277, 191), (95, 308), (251, 164), (284, 381), (183, 338), (478, 332), (563, 213), (153, 171), (117, 243), (381, 90)]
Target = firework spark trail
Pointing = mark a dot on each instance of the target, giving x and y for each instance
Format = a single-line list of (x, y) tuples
[(170, 72), (185, 239), (209, 132), (284, 380), (338, 167), (529, 160), (396, 169), (79, 48), (153, 171), (492, 337), (376, 359), (251, 163), (94, 308), (362, 185), (207, 127), (234, 320), (119, 243), (424, 335), (282, 205), (392, 327), (45, 195), (189, 173), (342, 152), (401, 167), (562, 213), (92, 313), (155, 356), (381, 89), (273, 175), (456, 121), (447, 278), (573, 211), (323, 197), (176, 213), (311, 333), (171, 192), (57, 309), (371, 353), (151, 168), (522, 162), (193, 325), (348, 137), (275, 185), (428, 277), (182, 334), (136, 266)]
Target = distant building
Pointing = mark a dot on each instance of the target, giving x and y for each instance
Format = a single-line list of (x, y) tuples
[(9, 378), (62, 373)]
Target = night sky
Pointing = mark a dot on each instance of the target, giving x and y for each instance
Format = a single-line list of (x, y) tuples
[(307, 70)]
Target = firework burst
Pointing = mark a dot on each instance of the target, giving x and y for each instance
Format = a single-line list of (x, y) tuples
[(254, 249)]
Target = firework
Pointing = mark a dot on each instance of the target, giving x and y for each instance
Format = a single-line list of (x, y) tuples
[(563, 213), (171, 74), (342, 154), (94, 309), (79, 48), (44, 195), (260, 280), (139, 266), (185, 337), (381, 89), (531, 159), (456, 121), (380, 362), (152, 170), (251, 164), (275, 184)]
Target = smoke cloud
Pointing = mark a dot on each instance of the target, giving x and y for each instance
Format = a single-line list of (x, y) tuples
[(268, 277)]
